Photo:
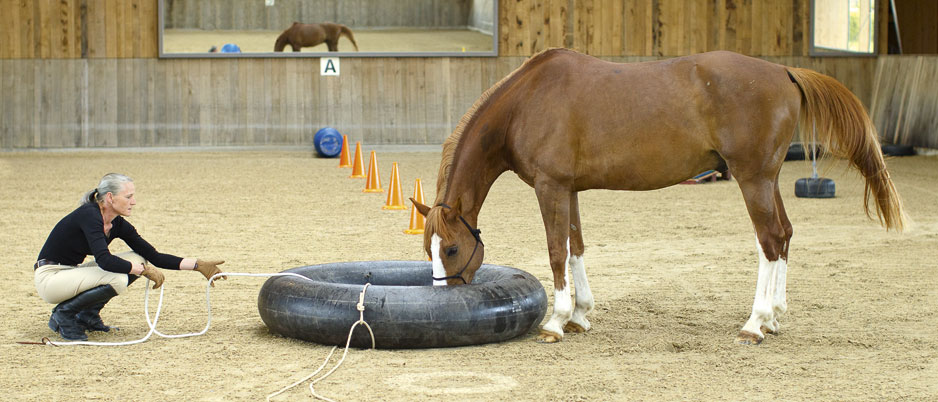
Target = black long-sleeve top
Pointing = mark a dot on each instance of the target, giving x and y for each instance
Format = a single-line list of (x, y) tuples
[(81, 233)]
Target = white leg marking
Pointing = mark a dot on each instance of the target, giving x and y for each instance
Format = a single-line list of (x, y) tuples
[(438, 270), (563, 308), (781, 278), (762, 310), (584, 296), (779, 303)]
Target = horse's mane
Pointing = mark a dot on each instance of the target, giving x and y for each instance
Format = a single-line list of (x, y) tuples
[(449, 146)]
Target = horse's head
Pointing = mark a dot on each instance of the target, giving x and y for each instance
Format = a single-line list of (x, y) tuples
[(452, 243)]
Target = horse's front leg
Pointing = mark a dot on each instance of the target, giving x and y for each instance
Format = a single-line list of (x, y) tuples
[(584, 296), (555, 210)]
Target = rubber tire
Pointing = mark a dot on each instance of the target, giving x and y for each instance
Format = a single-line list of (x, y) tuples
[(796, 152), (402, 307), (814, 188), (898, 150)]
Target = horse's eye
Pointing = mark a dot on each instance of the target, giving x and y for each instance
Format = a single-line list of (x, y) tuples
[(452, 251)]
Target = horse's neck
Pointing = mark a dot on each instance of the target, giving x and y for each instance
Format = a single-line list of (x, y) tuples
[(471, 178)]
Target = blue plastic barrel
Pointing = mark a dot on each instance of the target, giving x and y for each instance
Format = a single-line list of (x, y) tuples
[(328, 142), (230, 48)]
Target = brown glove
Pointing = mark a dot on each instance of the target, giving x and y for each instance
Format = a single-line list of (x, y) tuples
[(208, 269), (154, 275)]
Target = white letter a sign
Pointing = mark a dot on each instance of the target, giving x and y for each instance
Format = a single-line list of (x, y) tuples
[(329, 66)]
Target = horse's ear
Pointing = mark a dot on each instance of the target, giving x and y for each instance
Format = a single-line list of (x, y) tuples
[(423, 209)]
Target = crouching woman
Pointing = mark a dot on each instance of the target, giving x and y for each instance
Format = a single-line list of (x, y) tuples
[(80, 290)]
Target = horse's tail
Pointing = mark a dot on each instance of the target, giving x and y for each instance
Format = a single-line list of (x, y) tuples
[(844, 129), (343, 30)]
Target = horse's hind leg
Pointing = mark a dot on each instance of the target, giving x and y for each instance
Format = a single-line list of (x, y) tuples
[(773, 232), (584, 296)]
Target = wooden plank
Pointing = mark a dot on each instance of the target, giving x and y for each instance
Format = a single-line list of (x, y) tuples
[(556, 23), (130, 24), (112, 28), (148, 33), (95, 29), (202, 77), (715, 19), (434, 101), (635, 26), (26, 107), (191, 95), (7, 102), (247, 117), (617, 34), (278, 87), (372, 97), (744, 36), (220, 92), (29, 19), (10, 30), (540, 30), (757, 28), (69, 101), (293, 133), (161, 87), (154, 86), (43, 31)]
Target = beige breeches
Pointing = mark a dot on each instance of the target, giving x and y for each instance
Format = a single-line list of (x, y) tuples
[(58, 283)]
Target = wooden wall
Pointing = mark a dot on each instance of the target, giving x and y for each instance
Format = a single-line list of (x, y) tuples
[(85, 73)]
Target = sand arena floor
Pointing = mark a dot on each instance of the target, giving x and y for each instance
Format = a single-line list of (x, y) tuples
[(673, 272)]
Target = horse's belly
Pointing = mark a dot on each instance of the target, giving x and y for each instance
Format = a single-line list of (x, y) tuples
[(645, 172)]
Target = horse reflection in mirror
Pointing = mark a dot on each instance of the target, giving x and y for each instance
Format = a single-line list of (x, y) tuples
[(300, 35), (565, 122)]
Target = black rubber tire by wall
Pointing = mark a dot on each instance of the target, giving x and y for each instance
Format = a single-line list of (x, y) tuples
[(897, 150), (401, 305)]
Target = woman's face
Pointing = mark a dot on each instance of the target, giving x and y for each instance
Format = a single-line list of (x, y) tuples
[(124, 200)]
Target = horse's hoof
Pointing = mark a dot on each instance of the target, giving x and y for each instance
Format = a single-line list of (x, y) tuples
[(575, 328), (748, 338), (548, 337)]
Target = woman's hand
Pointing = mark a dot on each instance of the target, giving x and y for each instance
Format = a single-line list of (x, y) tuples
[(208, 269), (154, 275), (136, 268)]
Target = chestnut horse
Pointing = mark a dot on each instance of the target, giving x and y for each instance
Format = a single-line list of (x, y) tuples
[(300, 35), (565, 122)]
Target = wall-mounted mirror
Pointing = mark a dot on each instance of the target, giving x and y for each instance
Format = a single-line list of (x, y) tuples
[(841, 27), (378, 28)]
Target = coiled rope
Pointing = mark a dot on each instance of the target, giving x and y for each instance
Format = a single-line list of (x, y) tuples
[(208, 304)]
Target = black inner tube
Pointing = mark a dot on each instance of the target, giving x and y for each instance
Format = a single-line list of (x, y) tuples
[(401, 305)]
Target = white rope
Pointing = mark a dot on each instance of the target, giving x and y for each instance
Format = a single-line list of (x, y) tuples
[(208, 305), (361, 320)]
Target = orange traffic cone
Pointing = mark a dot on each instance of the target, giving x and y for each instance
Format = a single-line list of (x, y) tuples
[(416, 220), (344, 157), (395, 197), (373, 182), (357, 169)]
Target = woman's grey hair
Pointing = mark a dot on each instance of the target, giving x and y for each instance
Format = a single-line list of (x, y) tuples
[(110, 183)]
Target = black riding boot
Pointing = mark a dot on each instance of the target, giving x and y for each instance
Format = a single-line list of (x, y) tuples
[(64, 318), (90, 318)]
